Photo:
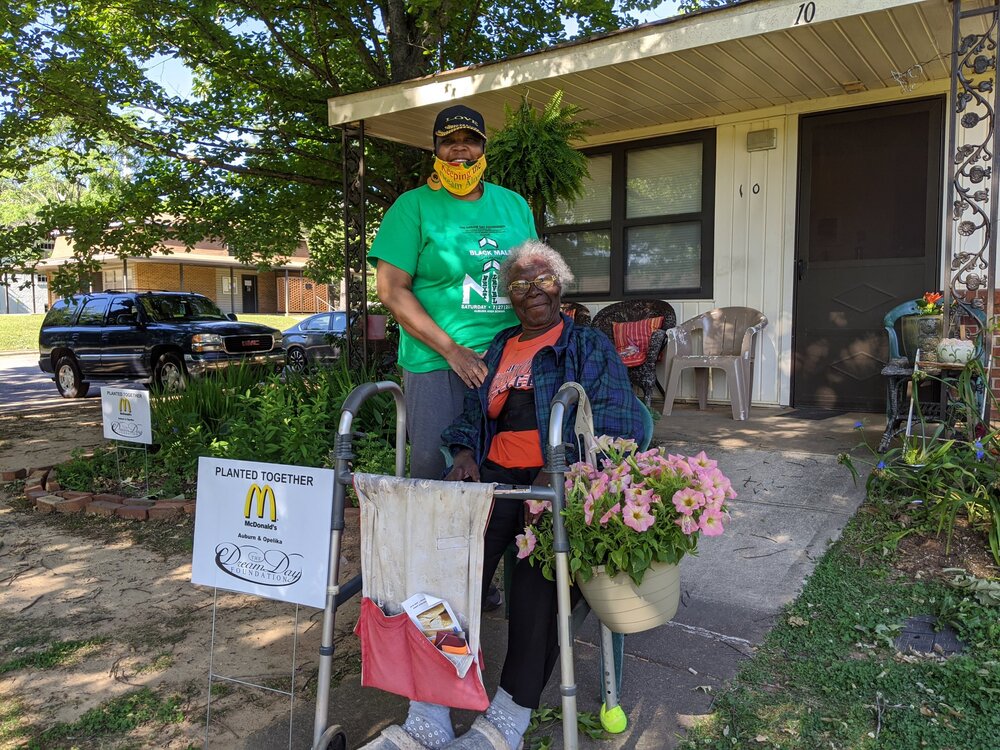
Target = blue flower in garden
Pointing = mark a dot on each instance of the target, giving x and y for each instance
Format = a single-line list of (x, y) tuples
[(978, 445), (858, 425), (880, 465)]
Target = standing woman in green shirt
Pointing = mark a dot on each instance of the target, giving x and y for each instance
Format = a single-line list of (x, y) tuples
[(438, 252)]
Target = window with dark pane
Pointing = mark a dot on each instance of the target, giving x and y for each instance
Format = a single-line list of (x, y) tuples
[(644, 224)]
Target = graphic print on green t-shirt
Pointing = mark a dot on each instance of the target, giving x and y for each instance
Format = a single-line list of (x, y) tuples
[(453, 250)]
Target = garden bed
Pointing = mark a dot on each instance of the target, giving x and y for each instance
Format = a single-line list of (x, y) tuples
[(96, 610)]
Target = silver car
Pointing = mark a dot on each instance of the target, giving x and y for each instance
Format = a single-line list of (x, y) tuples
[(315, 340)]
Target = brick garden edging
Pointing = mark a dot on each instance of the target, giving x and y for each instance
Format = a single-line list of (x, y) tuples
[(48, 496)]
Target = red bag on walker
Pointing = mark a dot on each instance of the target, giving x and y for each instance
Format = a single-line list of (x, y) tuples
[(421, 536)]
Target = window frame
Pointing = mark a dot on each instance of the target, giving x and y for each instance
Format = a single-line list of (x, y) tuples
[(95, 302), (618, 224)]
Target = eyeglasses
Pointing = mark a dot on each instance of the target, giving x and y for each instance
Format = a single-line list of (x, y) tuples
[(546, 282)]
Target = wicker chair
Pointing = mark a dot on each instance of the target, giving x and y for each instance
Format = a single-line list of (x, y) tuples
[(579, 313), (642, 376)]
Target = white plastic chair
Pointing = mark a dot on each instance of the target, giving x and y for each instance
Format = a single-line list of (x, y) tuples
[(723, 338)]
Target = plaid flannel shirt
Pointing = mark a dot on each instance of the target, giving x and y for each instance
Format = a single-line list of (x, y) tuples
[(582, 354)]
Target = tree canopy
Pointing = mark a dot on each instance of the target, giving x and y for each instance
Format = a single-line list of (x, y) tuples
[(248, 155)]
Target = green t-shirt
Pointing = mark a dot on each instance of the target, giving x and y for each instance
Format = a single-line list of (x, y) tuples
[(453, 250)]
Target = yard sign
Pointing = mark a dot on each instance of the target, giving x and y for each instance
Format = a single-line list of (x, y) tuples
[(125, 412), (263, 529)]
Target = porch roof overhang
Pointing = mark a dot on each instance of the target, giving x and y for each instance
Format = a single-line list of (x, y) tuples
[(751, 56)]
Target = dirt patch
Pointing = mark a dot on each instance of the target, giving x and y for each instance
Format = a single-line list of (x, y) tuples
[(81, 579), (928, 555), (30, 438)]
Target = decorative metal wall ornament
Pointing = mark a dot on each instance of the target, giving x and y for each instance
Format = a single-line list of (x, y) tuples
[(970, 246), (355, 248)]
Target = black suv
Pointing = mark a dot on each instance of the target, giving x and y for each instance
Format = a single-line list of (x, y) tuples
[(158, 337)]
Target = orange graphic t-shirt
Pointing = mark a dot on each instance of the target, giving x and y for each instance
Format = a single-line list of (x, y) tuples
[(517, 448)]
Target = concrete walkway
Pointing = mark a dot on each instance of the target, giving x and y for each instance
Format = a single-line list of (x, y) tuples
[(794, 499)]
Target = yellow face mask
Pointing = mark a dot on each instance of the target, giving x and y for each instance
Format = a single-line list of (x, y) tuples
[(458, 178)]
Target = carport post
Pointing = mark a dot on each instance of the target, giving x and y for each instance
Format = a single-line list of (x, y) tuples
[(970, 254), (355, 250)]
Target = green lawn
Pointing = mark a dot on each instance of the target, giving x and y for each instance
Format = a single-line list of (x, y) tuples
[(281, 322), (19, 332), (828, 675)]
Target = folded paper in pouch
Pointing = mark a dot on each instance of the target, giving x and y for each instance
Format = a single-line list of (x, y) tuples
[(421, 536)]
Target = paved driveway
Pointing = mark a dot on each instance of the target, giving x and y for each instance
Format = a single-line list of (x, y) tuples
[(25, 388)]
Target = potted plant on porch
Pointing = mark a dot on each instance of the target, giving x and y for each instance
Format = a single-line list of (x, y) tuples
[(630, 520), (923, 331)]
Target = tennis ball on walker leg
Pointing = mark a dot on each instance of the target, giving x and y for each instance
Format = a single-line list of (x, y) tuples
[(613, 721)]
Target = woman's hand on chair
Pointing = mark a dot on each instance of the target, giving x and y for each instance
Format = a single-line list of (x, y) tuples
[(464, 468)]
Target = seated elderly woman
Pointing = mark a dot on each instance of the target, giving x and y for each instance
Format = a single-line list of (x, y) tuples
[(499, 438)]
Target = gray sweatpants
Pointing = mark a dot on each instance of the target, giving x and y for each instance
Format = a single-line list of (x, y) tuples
[(433, 401)]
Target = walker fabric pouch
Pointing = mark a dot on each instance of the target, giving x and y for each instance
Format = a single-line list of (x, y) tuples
[(421, 536), (398, 658), (632, 339)]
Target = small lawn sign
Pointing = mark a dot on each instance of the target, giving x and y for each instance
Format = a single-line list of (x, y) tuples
[(263, 529), (126, 415)]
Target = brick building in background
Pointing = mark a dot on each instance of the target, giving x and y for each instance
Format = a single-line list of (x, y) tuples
[(208, 269)]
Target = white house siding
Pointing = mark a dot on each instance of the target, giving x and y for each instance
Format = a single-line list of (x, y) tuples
[(755, 234), (754, 252)]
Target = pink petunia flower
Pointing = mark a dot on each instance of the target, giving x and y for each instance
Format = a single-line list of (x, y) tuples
[(638, 517), (703, 483), (687, 500), (653, 466), (715, 501), (599, 487), (680, 466), (612, 511), (639, 494), (535, 507), (702, 461), (711, 522), (525, 543), (588, 510), (688, 524)]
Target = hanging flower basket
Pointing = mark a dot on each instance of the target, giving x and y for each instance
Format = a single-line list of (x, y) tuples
[(627, 607), (631, 516)]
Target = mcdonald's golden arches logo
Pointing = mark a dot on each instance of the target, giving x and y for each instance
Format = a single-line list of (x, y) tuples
[(124, 406), (264, 496)]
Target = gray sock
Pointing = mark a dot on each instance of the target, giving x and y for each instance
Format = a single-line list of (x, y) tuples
[(429, 724), (508, 717)]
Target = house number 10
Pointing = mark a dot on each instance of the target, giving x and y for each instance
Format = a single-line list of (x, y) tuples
[(807, 12)]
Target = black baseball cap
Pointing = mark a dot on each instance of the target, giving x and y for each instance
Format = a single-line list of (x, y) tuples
[(458, 117)]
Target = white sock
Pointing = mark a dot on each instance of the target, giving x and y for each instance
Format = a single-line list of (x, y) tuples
[(429, 724), (508, 717)]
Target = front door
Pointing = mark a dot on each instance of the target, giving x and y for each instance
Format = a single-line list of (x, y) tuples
[(868, 228), (249, 294)]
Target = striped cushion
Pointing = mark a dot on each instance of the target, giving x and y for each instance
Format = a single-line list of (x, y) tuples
[(632, 339)]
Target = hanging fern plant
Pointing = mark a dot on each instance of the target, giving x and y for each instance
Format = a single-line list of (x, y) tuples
[(533, 154)]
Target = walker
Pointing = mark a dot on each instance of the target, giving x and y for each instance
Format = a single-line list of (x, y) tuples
[(331, 736)]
